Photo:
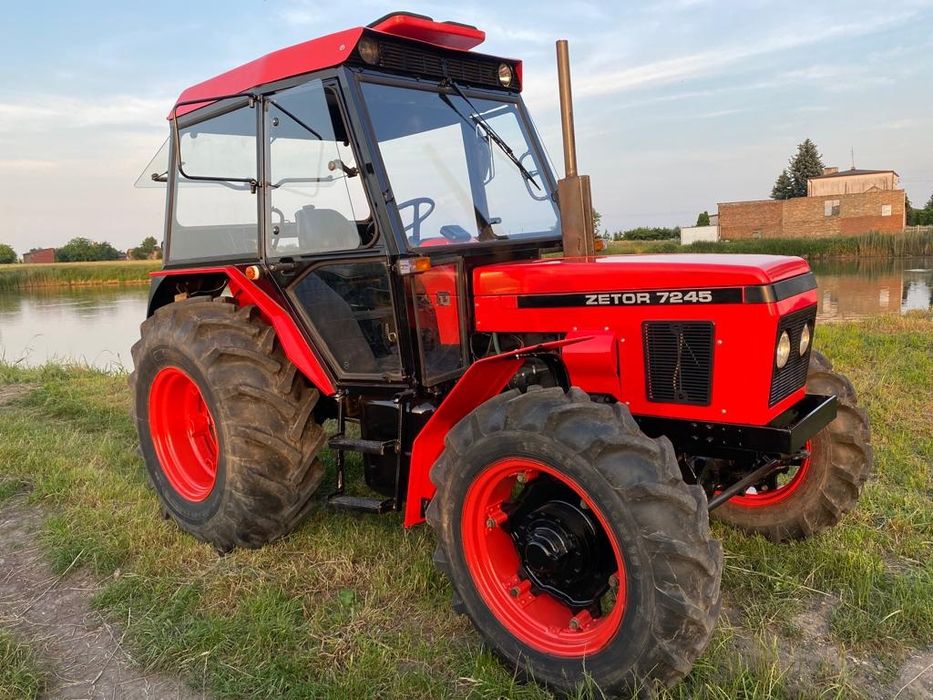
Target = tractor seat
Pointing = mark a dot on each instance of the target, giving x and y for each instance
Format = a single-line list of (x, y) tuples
[(325, 230)]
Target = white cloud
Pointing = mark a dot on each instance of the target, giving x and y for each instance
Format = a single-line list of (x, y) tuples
[(714, 60), (44, 112)]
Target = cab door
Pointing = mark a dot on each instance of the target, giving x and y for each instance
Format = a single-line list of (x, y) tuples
[(320, 224)]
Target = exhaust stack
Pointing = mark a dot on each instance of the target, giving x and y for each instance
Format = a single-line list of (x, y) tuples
[(573, 191)]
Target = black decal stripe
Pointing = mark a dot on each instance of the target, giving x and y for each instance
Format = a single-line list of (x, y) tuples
[(632, 297), (759, 294)]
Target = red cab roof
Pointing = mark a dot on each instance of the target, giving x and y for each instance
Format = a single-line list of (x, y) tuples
[(325, 52)]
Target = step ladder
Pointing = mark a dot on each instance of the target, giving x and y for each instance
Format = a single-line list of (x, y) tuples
[(341, 444)]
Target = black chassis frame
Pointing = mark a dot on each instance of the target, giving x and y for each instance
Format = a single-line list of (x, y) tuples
[(416, 399)]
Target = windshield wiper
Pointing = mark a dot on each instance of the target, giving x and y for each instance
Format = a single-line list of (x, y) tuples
[(491, 134)]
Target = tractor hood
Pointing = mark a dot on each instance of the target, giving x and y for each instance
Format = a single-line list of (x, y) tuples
[(613, 273)]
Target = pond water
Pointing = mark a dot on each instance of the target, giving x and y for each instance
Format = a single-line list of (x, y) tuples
[(98, 325)]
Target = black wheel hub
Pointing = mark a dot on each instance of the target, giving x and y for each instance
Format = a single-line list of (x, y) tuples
[(562, 546)]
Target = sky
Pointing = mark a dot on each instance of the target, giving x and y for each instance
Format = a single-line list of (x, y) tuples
[(680, 104)]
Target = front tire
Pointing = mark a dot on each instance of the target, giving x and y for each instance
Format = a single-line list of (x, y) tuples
[(609, 572), (827, 484), (226, 423)]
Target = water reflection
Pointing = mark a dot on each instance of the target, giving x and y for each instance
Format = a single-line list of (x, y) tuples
[(98, 325), (93, 325), (859, 288)]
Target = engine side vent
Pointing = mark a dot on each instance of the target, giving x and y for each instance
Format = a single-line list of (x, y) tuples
[(793, 375), (679, 361)]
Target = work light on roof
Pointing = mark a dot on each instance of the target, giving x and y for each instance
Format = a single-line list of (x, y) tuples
[(505, 74), (369, 50)]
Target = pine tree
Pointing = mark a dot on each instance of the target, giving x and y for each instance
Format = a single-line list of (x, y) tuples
[(783, 187), (805, 164), (929, 205)]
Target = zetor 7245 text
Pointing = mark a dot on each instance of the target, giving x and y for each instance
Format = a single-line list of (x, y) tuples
[(364, 229)]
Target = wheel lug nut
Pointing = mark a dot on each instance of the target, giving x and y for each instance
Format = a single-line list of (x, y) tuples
[(574, 623), (521, 478), (490, 523), (514, 591)]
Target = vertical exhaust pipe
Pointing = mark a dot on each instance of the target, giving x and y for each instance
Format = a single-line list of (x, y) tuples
[(573, 191)]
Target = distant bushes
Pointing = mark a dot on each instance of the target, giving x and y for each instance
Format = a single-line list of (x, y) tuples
[(645, 233), (18, 277), (869, 245)]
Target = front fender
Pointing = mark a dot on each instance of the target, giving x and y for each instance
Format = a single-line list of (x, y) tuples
[(483, 379)]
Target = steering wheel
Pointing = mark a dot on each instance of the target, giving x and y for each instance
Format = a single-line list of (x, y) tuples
[(417, 217)]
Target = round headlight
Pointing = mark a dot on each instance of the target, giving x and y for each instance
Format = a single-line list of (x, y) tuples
[(505, 74), (369, 50), (783, 350), (805, 340)]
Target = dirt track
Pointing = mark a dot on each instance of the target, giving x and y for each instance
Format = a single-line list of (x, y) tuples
[(81, 655)]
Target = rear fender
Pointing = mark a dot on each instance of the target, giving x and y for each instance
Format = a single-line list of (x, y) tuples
[(483, 379), (293, 341)]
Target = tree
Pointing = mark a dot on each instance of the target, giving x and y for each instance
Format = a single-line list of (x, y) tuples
[(806, 163), (146, 250), (703, 219), (7, 255), (84, 250), (929, 204), (783, 187)]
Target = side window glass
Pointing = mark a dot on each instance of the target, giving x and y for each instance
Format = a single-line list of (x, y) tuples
[(350, 306), (217, 217), (437, 314), (318, 201)]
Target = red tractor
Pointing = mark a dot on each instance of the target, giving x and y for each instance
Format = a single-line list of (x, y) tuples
[(362, 228)]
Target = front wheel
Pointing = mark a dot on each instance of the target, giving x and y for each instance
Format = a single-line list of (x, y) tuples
[(825, 485), (573, 543)]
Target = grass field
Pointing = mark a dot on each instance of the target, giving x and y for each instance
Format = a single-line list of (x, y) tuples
[(870, 245), (17, 277), (351, 606), (19, 673)]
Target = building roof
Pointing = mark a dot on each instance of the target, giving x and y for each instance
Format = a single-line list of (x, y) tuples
[(852, 171)]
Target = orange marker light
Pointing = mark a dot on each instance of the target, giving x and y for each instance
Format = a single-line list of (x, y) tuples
[(252, 272)]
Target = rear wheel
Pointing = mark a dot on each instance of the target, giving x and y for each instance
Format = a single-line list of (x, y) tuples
[(814, 494), (225, 423), (573, 543)]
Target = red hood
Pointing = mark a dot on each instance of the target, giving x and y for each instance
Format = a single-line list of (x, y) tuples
[(557, 275)]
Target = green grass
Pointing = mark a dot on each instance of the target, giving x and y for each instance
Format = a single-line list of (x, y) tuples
[(869, 245), (19, 673), (20, 276), (351, 606)]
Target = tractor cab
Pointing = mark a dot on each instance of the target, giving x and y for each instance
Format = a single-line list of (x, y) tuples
[(340, 165)]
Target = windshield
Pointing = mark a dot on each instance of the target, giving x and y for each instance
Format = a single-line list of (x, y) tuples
[(452, 181)]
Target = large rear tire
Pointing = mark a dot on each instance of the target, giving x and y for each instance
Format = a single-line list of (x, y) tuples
[(226, 423), (827, 484), (573, 543)]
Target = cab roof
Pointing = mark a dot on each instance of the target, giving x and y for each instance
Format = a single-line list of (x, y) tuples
[(325, 52)]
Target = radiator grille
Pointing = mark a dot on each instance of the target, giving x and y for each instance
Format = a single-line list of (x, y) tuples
[(415, 61), (793, 375), (679, 361)]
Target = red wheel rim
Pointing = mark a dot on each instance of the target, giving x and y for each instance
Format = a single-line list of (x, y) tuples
[(782, 492), (540, 621), (183, 434)]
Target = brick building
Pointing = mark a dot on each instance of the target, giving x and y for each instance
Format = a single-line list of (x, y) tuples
[(40, 255), (839, 204)]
